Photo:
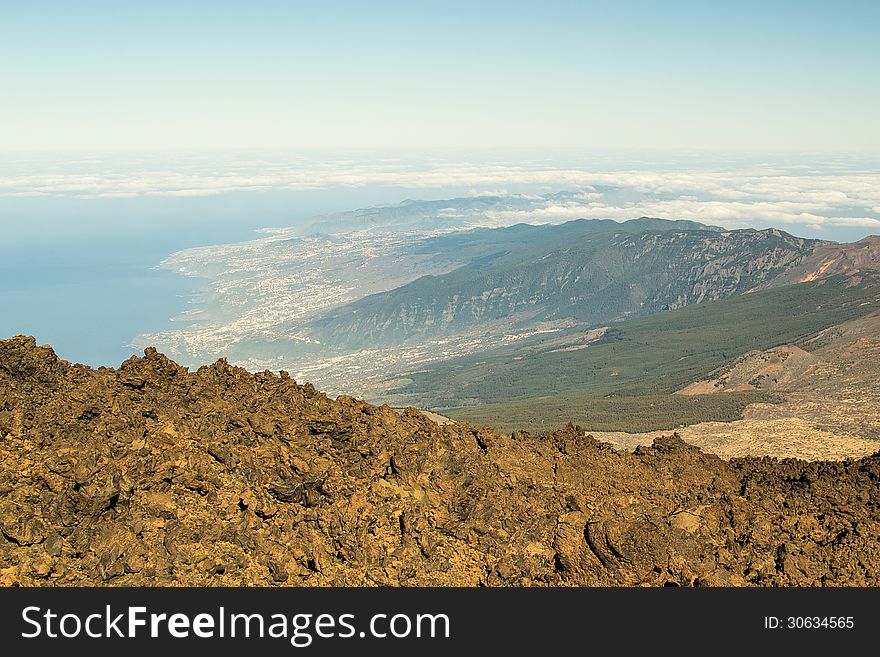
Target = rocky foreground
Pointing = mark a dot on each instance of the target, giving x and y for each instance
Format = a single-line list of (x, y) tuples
[(154, 475)]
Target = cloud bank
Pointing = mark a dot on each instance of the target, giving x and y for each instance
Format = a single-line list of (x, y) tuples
[(740, 196)]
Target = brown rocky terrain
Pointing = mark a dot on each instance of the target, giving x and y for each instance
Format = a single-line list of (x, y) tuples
[(152, 474)]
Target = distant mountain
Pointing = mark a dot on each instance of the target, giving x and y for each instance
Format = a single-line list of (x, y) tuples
[(463, 213), (423, 216), (586, 272)]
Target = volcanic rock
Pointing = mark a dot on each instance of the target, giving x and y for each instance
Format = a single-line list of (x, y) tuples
[(151, 474)]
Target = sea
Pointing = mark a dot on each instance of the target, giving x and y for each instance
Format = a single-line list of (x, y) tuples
[(83, 275)]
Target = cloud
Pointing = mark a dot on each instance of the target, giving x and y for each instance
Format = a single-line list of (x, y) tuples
[(755, 195), (731, 214), (546, 214), (477, 193)]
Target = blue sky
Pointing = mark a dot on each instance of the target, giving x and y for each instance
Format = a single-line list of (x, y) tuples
[(422, 75)]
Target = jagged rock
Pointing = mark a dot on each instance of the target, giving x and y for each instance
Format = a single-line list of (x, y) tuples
[(155, 475)]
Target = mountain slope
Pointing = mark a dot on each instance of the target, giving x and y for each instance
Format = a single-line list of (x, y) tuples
[(589, 272), (831, 258), (151, 474), (828, 398), (626, 379)]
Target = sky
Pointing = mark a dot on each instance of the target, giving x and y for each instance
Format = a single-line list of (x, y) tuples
[(125, 76), (130, 130)]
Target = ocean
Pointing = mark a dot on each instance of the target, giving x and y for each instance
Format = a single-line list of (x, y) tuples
[(81, 273)]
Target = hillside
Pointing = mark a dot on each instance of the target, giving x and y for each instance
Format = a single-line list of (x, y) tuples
[(830, 258), (625, 381), (827, 392), (152, 474), (583, 272)]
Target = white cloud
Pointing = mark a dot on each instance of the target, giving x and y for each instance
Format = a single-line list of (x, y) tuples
[(739, 197), (734, 214), (477, 193)]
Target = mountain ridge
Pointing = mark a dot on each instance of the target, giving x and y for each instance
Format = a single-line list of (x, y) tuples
[(590, 272)]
